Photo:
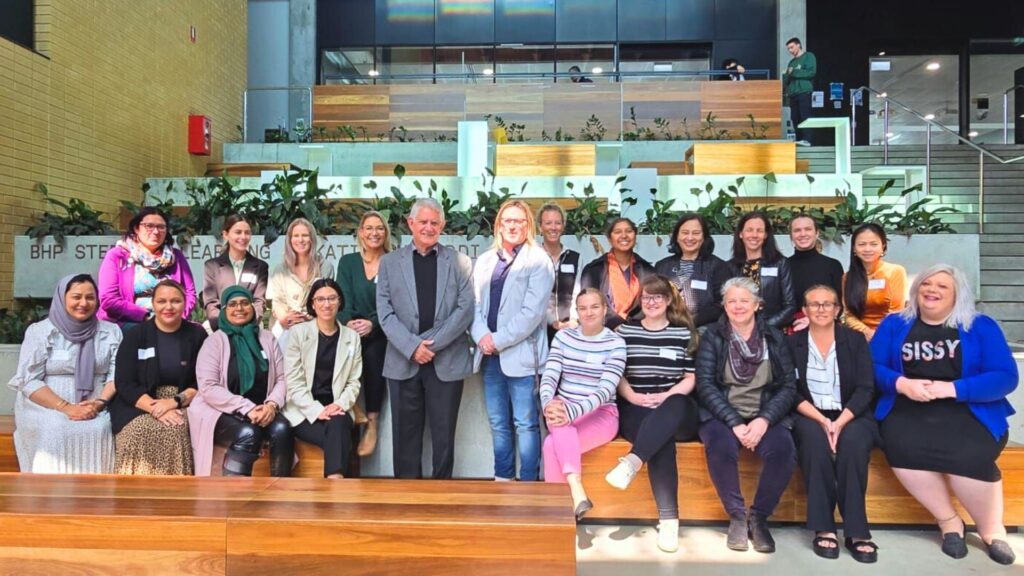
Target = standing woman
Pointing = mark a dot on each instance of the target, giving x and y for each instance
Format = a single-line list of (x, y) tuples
[(63, 382), (289, 284), (694, 269), (746, 387), (144, 256), (155, 382), (617, 274), (566, 263), (577, 394), (241, 390), (357, 277), (808, 266), (324, 364), (234, 266), (656, 408), (834, 430), (755, 256), (944, 372), (872, 288)]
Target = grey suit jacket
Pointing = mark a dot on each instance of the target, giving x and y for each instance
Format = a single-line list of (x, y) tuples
[(398, 312)]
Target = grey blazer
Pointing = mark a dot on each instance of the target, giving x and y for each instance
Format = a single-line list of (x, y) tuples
[(398, 312)]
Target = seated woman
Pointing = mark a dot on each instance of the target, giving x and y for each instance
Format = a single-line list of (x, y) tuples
[(63, 381), (872, 288), (155, 382), (577, 394), (834, 430), (617, 274), (241, 390), (132, 268), (694, 269), (944, 371), (756, 256), (235, 265), (746, 387), (324, 362), (655, 406)]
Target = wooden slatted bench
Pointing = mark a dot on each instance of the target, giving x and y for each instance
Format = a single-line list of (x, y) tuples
[(416, 168), (248, 169), (253, 526)]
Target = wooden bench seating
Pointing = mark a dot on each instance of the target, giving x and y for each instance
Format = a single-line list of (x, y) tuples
[(255, 526), (249, 169), (416, 168)]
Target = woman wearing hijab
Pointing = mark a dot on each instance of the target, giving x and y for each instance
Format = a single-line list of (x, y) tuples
[(64, 381), (242, 386)]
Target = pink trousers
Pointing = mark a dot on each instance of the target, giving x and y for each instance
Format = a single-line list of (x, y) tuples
[(565, 445)]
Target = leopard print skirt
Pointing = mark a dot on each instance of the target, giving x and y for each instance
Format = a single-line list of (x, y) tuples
[(147, 447)]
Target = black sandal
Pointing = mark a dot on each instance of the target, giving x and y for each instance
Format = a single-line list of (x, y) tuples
[(859, 555), (830, 552)]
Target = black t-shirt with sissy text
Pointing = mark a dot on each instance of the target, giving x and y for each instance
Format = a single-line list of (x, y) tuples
[(932, 352)]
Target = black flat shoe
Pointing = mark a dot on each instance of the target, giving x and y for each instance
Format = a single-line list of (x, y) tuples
[(869, 557), (1001, 553), (760, 536), (737, 538), (953, 544), (830, 552), (582, 508)]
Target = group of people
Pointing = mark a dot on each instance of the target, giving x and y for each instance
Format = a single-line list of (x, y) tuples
[(787, 357)]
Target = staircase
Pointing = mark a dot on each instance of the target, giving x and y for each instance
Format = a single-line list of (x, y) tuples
[(954, 182)]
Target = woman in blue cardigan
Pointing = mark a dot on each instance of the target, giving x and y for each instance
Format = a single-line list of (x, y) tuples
[(943, 371)]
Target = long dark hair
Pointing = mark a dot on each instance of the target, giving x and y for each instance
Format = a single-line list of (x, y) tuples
[(136, 221), (769, 251), (707, 247), (855, 286)]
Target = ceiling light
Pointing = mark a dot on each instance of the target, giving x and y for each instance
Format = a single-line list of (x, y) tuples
[(933, 66), (929, 116), (882, 53), (972, 134), (596, 70), (488, 72), (373, 73), (889, 134)]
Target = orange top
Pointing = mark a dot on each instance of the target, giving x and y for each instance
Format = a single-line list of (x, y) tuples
[(886, 293)]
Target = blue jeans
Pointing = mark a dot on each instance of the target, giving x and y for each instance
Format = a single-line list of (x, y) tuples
[(512, 401)]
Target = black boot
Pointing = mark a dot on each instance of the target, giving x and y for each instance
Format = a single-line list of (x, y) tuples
[(737, 538), (238, 463), (759, 534)]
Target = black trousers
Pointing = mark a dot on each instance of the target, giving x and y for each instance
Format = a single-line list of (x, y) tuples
[(800, 110), (374, 384), (243, 441), (424, 397), (654, 433), (778, 458), (334, 437), (841, 479)]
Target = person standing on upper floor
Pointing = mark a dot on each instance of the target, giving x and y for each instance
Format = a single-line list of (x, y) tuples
[(425, 306), (798, 83), (755, 256), (289, 285), (566, 263), (808, 266), (576, 76), (357, 276), (618, 273), (736, 70), (512, 283), (872, 288), (694, 269), (144, 256), (234, 266)]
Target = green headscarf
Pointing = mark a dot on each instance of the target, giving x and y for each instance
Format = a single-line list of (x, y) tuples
[(244, 340)]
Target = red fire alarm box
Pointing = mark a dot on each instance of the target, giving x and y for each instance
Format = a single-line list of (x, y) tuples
[(200, 135)]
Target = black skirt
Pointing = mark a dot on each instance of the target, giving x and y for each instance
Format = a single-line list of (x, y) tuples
[(940, 436)]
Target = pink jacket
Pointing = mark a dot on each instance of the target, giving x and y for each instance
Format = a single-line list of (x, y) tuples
[(215, 399), (116, 283)]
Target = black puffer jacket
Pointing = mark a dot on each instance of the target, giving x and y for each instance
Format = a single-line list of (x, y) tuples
[(776, 290), (777, 398)]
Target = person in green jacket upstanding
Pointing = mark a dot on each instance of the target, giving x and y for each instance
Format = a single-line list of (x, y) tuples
[(798, 83)]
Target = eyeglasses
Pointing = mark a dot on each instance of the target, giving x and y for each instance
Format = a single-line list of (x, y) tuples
[(321, 300), (238, 304), (152, 227), (821, 306), (652, 299), (514, 221)]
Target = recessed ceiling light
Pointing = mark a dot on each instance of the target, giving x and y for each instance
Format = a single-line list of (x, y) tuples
[(972, 134), (929, 116), (933, 66), (373, 73), (889, 134), (596, 70), (883, 95), (882, 53), (488, 72)]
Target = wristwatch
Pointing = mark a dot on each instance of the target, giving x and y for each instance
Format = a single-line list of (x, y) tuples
[(179, 399)]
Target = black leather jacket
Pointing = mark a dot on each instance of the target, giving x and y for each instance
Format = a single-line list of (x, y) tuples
[(777, 398), (776, 290), (713, 271)]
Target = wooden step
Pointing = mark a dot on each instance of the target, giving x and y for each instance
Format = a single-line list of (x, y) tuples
[(416, 168), (248, 169)]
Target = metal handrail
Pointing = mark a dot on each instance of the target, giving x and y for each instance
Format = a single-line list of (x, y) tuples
[(1006, 111), (545, 75), (245, 104)]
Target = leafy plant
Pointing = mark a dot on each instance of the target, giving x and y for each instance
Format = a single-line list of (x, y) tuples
[(79, 219), (659, 218), (14, 323), (593, 130), (398, 134), (709, 129), (757, 131)]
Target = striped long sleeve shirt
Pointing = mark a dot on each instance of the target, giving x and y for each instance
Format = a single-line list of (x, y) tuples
[(655, 360), (583, 371)]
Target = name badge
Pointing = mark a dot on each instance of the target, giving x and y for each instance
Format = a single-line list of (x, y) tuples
[(60, 355), (567, 269), (769, 271), (147, 353), (351, 351), (375, 279), (667, 353), (264, 354), (876, 284), (247, 278), (595, 359), (698, 284)]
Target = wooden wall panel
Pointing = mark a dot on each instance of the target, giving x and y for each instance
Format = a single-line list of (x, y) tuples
[(521, 104), (731, 104), (672, 101), (569, 106), (545, 160), (744, 157)]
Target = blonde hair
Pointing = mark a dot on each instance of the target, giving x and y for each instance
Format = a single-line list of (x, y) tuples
[(592, 292), (291, 258), (963, 313), (531, 224), (550, 207), (386, 246)]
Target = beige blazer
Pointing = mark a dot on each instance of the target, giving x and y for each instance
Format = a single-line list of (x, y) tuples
[(300, 366)]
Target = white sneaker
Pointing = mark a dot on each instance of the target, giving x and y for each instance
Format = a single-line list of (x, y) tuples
[(802, 143), (668, 536), (622, 475)]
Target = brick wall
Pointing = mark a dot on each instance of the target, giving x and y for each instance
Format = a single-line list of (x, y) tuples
[(104, 101)]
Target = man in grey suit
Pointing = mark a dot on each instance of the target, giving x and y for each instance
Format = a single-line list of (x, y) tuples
[(425, 305), (513, 284)]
